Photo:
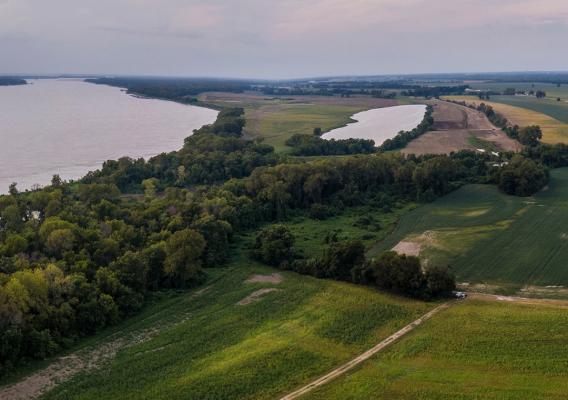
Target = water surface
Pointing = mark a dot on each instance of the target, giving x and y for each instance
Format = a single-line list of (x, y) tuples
[(380, 124), (69, 127)]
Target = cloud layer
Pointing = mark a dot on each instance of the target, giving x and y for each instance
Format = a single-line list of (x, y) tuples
[(276, 39)]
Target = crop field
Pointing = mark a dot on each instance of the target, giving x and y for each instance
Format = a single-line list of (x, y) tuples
[(467, 352), (459, 128), (278, 118), (227, 344), (486, 236), (552, 90), (553, 130)]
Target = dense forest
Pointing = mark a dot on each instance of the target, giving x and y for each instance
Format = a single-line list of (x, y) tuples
[(77, 257)]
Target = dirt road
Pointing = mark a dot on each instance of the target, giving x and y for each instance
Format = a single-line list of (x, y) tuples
[(518, 300), (366, 355)]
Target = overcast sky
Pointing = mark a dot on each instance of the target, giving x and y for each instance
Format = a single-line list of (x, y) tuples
[(281, 38)]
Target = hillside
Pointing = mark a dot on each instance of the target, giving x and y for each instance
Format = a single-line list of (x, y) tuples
[(489, 237), (212, 344)]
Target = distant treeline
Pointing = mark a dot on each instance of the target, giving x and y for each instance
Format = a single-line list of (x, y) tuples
[(183, 90), (10, 81)]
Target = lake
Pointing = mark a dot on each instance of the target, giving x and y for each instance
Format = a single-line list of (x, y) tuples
[(69, 127), (380, 124)]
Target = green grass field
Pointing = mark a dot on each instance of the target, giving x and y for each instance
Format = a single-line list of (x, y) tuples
[(468, 352), (358, 223), (276, 125), (277, 118), (487, 236), (222, 350)]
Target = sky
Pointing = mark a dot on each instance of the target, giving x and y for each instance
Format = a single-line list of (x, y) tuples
[(281, 38)]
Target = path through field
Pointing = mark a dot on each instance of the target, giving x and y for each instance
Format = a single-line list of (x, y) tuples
[(366, 355)]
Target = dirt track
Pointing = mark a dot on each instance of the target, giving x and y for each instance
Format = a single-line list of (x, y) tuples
[(519, 300), (453, 126), (365, 356)]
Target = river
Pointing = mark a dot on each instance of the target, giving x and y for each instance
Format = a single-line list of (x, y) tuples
[(69, 127)]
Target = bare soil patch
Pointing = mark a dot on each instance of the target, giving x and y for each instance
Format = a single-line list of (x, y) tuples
[(256, 296), (453, 126), (408, 248), (275, 278), (64, 368)]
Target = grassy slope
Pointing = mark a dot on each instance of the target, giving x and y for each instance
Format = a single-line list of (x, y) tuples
[(467, 352), (487, 236), (227, 351), (554, 131)]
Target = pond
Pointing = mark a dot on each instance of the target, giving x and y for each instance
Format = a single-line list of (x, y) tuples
[(380, 124)]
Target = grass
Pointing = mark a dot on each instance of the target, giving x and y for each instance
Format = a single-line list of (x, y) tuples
[(358, 223), (482, 144), (222, 350), (468, 352), (277, 118), (487, 236), (554, 131)]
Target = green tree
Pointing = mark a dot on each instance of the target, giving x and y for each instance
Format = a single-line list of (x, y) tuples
[(183, 256), (274, 245)]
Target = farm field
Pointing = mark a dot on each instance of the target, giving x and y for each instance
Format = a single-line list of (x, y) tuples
[(277, 118), (459, 128), (227, 344), (489, 237), (553, 130), (467, 352), (552, 90)]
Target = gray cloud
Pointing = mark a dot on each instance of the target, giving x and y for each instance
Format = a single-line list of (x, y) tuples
[(287, 38)]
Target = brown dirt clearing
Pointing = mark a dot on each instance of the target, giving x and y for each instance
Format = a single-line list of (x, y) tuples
[(275, 278)]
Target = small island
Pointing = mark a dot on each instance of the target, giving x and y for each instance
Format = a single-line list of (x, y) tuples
[(11, 81)]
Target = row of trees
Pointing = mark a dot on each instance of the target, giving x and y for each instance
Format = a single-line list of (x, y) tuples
[(405, 137), (313, 145), (346, 261)]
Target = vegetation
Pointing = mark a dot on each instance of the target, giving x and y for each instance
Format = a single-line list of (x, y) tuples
[(470, 228), (473, 350), (311, 145), (208, 346), (77, 258)]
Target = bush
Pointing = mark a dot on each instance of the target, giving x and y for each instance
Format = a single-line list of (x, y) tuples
[(274, 245)]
